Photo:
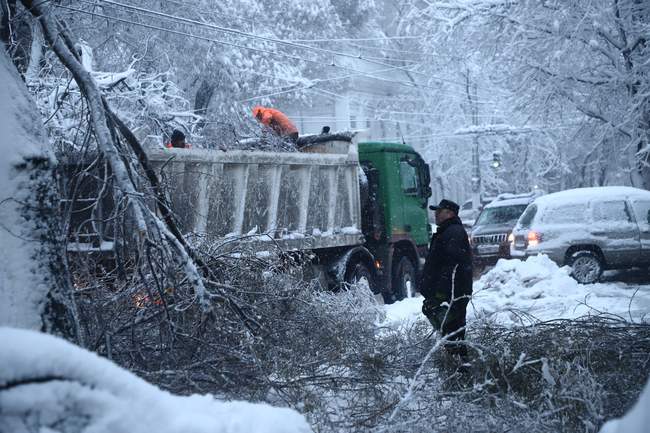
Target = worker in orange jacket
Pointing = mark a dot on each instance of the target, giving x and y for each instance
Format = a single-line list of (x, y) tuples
[(277, 121), (177, 140)]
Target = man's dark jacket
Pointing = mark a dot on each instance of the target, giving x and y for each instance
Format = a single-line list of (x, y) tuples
[(449, 250)]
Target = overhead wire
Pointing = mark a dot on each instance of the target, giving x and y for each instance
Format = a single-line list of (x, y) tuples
[(385, 38), (212, 12), (336, 96), (247, 34), (368, 74), (459, 135), (275, 40), (455, 135)]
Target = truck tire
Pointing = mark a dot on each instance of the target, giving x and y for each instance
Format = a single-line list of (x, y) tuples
[(358, 273), (404, 279), (587, 266)]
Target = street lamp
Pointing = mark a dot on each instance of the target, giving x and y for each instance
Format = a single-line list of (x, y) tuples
[(496, 160)]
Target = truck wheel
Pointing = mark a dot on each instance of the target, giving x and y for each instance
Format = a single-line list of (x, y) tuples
[(360, 274), (404, 279), (587, 266)]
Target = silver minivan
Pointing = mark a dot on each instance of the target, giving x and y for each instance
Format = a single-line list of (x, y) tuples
[(588, 229)]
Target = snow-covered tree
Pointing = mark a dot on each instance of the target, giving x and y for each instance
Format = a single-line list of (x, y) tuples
[(580, 68), (34, 291)]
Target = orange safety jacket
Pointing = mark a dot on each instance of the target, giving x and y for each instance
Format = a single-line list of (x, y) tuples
[(169, 146), (275, 119)]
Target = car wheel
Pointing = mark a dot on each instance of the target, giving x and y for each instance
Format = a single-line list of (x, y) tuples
[(587, 267), (359, 274), (404, 280)]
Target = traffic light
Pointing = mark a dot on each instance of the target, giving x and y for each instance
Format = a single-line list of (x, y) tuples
[(496, 160)]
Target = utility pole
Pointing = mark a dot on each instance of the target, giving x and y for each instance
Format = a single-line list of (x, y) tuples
[(472, 91), (476, 174)]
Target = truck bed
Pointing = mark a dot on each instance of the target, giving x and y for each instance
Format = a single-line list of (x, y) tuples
[(297, 200)]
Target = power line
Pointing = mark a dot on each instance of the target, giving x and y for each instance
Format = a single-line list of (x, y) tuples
[(280, 41), (464, 134), (374, 108), (312, 84), (246, 34), (367, 74), (166, 30), (205, 12), (266, 23), (385, 38)]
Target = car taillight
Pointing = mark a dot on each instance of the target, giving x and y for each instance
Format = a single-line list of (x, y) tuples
[(534, 238)]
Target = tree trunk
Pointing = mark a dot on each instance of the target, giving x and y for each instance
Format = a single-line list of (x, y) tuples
[(202, 99), (35, 53), (7, 11)]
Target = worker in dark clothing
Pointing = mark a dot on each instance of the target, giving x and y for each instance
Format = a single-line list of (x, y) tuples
[(446, 280), (177, 140)]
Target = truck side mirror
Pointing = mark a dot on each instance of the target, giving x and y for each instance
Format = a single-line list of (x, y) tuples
[(426, 181)]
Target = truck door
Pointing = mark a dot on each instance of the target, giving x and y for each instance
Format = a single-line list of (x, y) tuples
[(414, 209)]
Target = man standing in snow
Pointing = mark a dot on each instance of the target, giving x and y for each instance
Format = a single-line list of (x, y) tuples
[(446, 280)]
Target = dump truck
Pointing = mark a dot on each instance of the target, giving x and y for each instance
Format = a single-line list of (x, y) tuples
[(359, 209)]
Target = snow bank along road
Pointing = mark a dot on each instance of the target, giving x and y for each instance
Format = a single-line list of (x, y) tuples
[(518, 292)]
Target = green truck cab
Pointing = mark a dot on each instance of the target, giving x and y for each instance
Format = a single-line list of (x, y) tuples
[(394, 200)]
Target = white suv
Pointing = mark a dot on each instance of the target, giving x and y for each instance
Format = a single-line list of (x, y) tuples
[(589, 229)]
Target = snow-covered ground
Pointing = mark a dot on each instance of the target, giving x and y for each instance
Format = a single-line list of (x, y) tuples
[(516, 292), (49, 385)]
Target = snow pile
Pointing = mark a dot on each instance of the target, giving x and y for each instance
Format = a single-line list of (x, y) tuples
[(404, 312), (636, 420), (515, 290), (23, 138), (48, 384)]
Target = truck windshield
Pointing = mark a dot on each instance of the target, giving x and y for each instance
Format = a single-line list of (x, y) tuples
[(500, 215)]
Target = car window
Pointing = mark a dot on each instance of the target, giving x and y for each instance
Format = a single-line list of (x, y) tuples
[(610, 211), (500, 215), (408, 175), (565, 214), (527, 217), (467, 205), (642, 212)]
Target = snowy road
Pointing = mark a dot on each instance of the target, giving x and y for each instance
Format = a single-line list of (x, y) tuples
[(516, 292)]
